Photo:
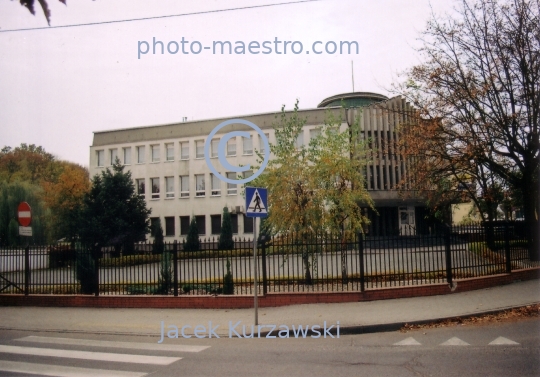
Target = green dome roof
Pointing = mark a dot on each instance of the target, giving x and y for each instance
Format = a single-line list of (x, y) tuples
[(355, 99)]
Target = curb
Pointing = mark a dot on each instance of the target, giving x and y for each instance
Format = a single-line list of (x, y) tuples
[(345, 330)]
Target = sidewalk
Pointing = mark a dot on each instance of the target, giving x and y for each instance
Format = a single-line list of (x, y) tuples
[(355, 317)]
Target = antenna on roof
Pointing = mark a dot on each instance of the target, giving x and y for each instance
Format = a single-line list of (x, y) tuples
[(352, 72)]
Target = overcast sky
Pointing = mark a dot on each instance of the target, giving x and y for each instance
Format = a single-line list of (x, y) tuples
[(58, 85)]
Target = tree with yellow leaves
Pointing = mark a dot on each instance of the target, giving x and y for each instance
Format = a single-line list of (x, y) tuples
[(318, 188)]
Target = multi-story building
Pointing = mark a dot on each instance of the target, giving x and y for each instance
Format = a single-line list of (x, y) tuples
[(168, 164)]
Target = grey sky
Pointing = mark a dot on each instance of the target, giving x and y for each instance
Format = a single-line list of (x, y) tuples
[(57, 86)]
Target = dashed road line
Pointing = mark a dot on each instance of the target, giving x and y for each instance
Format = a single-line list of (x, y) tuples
[(111, 344), (86, 355), (62, 371)]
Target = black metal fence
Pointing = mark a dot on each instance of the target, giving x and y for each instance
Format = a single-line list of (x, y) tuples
[(286, 263)]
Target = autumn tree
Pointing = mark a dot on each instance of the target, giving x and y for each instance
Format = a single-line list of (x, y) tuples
[(318, 187), (478, 97), (29, 163), (64, 198)]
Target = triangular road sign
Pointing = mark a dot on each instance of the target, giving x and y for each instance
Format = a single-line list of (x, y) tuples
[(256, 202)]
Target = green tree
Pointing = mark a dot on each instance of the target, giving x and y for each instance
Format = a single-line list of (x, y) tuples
[(226, 237), (113, 213), (192, 239), (317, 187)]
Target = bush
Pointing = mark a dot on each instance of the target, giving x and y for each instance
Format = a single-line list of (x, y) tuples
[(61, 256), (165, 274), (228, 283), (226, 238), (157, 245), (85, 270), (192, 241)]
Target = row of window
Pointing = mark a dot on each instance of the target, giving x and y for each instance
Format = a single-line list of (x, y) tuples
[(215, 224), (155, 151), (185, 187), (184, 148)]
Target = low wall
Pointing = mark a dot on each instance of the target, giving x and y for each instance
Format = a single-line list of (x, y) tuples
[(271, 299)]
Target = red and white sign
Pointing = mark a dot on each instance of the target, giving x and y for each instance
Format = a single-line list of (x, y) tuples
[(24, 214)]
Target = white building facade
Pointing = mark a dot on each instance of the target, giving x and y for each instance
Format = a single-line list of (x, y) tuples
[(169, 169)]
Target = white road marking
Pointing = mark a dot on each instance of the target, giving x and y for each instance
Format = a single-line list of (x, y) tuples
[(62, 371), (503, 341), (410, 341), (101, 356), (455, 342), (105, 343)]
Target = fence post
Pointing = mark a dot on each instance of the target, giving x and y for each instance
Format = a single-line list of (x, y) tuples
[(97, 250), (175, 267), (507, 247), (26, 270), (361, 256), (263, 256), (447, 231)]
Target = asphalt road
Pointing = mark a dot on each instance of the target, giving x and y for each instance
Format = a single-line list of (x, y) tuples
[(500, 349)]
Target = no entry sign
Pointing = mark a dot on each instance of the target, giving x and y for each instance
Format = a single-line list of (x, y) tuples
[(24, 214)]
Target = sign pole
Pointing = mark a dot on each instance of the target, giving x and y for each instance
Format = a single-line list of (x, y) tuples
[(256, 206), (256, 294)]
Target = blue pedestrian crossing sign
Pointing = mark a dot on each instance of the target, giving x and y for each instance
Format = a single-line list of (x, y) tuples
[(256, 202)]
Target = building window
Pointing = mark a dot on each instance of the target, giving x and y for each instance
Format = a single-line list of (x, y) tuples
[(155, 153), (216, 185), (234, 223), (199, 149), (169, 150), (261, 142), (184, 186), (314, 133), (300, 140), (247, 144), (199, 185), (113, 155), (127, 156), (100, 155), (214, 147), (248, 224), (155, 187), (231, 187), (231, 147), (154, 221), (169, 226), (216, 223), (247, 173), (201, 224), (169, 187), (184, 225), (184, 150), (140, 187), (140, 155)]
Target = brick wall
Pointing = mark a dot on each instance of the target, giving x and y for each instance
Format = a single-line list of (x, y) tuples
[(271, 299)]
